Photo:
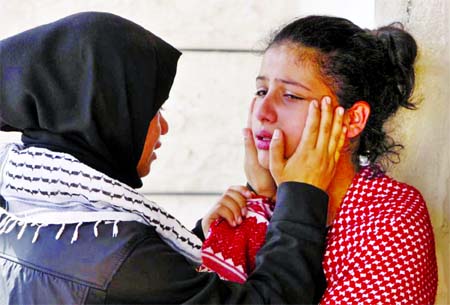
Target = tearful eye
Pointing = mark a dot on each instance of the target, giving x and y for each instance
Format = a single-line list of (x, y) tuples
[(261, 92), (293, 97)]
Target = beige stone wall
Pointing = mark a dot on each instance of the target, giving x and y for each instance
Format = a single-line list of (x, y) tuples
[(425, 132)]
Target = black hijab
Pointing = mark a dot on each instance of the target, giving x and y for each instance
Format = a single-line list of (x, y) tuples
[(88, 85)]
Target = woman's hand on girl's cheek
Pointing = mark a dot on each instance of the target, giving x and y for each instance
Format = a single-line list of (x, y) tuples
[(315, 158), (231, 206), (259, 178)]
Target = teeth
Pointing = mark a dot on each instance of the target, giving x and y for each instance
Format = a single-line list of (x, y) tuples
[(266, 139)]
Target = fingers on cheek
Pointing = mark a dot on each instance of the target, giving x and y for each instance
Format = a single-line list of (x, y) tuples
[(314, 117), (314, 111), (326, 114)]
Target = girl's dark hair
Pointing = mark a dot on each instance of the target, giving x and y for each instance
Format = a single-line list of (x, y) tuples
[(373, 66)]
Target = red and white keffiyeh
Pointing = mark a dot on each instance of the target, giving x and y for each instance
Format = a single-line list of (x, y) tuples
[(231, 251), (380, 247)]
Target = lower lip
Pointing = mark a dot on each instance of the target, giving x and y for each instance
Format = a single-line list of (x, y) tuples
[(263, 145)]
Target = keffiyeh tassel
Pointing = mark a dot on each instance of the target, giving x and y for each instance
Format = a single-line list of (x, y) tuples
[(4, 222), (115, 228), (96, 228), (59, 190), (22, 230), (75, 233), (36, 233), (11, 226), (60, 231)]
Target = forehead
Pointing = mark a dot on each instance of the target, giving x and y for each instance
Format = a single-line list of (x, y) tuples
[(292, 62), (291, 59)]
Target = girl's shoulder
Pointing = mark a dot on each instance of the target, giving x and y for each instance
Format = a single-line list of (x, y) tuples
[(376, 186), (377, 200)]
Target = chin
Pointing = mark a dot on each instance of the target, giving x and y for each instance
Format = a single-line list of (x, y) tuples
[(143, 172), (263, 158)]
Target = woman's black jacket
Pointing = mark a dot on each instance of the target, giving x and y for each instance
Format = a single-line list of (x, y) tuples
[(138, 267)]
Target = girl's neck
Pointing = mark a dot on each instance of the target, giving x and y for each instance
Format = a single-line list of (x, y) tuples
[(345, 172)]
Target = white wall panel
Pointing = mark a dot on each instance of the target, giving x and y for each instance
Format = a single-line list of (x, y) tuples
[(206, 111), (237, 24)]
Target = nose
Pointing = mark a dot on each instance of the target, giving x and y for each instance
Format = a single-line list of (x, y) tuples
[(265, 109), (164, 124)]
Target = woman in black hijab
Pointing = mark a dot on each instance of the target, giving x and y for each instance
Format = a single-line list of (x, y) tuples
[(87, 85), (83, 91)]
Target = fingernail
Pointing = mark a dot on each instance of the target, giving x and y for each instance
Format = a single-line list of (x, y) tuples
[(233, 223), (276, 134), (327, 100), (344, 129), (340, 110), (244, 211), (239, 219), (315, 104)]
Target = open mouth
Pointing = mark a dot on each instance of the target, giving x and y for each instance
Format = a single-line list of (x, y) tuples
[(263, 139)]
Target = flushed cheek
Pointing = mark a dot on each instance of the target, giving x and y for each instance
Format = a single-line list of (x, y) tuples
[(292, 138), (293, 129), (290, 147)]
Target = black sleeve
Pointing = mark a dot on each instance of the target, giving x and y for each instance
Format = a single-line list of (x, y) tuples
[(288, 266), (198, 230), (2, 203), (251, 189)]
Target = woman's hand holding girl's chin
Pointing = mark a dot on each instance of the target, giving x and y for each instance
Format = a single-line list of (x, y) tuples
[(314, 161)]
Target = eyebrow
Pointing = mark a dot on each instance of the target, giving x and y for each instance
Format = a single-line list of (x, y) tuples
[(285, 81)]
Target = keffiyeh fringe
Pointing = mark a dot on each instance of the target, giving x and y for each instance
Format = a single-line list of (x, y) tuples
[(53, 183)]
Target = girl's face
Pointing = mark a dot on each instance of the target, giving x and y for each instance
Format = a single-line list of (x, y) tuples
[(287, 82)]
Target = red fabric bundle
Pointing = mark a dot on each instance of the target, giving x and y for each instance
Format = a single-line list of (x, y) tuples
[(231, 251)]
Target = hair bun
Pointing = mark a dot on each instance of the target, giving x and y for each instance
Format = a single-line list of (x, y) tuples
[(401, 50)]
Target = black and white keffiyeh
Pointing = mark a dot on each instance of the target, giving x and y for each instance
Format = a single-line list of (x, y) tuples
[(42, 188)]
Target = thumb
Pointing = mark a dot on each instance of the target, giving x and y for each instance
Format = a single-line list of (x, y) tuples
[(250, 150), (276, 155), (251, 154)]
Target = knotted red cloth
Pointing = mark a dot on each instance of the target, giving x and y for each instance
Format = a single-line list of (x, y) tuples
[(231, 251)]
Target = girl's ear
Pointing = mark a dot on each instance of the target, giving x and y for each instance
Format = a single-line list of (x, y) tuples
[(356, 118)]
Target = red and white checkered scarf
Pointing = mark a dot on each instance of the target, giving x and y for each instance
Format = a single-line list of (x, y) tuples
[(231, 251)]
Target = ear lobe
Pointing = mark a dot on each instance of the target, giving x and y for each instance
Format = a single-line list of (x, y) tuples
[(356, 118)]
